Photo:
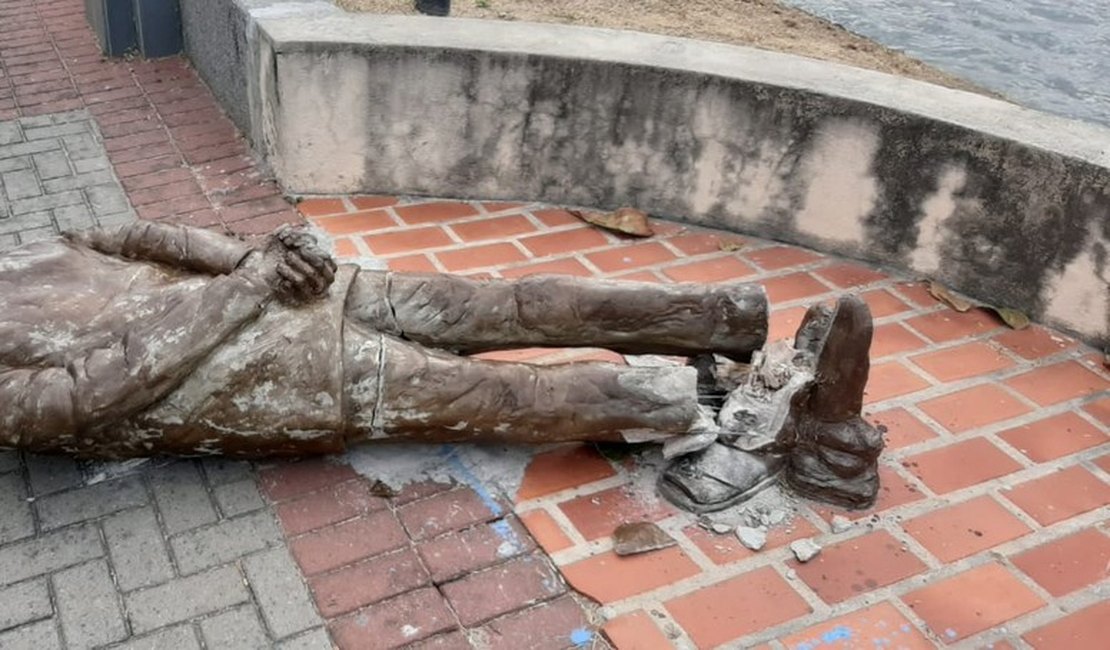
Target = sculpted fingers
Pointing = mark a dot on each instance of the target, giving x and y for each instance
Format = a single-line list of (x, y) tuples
[(312, 279), (290, 282), (320, 261), (297, 268)]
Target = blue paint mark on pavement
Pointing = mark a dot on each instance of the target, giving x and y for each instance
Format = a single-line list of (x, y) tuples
[(505, 531), (581, 637), (838, 633), (451, 455)]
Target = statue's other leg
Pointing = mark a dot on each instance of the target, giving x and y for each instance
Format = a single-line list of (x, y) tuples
[(836, 451), (469, 316), (397, 390)]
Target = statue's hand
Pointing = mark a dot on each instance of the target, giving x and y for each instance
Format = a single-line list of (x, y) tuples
[(294, 266)]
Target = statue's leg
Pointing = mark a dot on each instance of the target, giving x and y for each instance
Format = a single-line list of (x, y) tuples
[(836, 451), (468, 316), (823, 447), (397, 390)]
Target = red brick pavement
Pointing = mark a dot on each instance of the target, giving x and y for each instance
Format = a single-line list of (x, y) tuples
[(426, 566), (992, 524), (176, 153), (992, 528)]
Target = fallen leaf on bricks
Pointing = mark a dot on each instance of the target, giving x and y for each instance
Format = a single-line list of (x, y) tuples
[(941, 293), (380, 489), (629, 221), (730, 246), (640, 537), (1012, 317)]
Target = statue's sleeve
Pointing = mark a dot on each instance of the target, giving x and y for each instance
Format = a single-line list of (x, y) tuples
[(41, 407), (178, 246)]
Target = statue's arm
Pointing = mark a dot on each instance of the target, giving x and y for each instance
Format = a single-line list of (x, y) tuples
[(90, 391), (178, 246)]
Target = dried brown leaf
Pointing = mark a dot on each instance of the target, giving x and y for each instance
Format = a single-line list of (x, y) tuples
[(629, 221), (730, 246), (1015, 319), (941, 293), (380, 489)]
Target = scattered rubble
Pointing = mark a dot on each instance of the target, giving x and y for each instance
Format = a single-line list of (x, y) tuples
[(719, 528), (840, 523), (805, 550), (752, 538), (682, 445), (640, 537)]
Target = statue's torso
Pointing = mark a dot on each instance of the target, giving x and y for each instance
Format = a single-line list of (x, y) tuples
[(274, 385)]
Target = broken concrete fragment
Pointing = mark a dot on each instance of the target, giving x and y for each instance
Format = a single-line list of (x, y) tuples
[(640, 537), (682, 445), (805, 549), (720, 529), (650, 361), (840, 523), (752, 538)]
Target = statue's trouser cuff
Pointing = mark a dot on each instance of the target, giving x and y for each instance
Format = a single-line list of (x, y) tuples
[(424, 395)]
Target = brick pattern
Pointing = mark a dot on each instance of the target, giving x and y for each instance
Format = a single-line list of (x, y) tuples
[(178, 156), (995, 483), (997, 455), (435, 566), (148, 554), (55, 176)]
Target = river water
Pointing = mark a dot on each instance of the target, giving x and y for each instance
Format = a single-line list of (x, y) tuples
[(1053, 55)]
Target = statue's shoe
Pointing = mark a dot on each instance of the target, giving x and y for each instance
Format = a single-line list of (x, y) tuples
[(718, 477), (846, 447), (849, 484), (835, 452)]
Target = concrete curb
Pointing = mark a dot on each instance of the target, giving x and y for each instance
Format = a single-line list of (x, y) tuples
[(1006, 204)]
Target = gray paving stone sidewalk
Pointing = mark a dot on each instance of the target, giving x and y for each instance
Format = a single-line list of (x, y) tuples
[(54, 176), (141, 554), (154, 554)]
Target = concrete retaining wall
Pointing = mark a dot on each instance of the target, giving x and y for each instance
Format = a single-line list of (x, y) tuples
[(1006, 204), (215, 41), (221, 41)]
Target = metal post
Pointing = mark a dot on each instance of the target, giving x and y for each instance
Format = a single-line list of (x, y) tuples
[(434, 7)]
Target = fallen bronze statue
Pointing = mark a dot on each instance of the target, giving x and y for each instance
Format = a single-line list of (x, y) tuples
[(156, 339)]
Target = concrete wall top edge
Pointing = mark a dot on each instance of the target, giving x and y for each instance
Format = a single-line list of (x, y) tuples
[(302, 26)]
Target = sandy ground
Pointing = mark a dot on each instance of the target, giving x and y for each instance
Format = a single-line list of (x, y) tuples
[(765, 24)]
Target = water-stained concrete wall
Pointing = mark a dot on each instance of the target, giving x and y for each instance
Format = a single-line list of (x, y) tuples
[(1008, 205)]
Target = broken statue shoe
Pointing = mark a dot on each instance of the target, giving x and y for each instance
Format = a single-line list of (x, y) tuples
[(717, 477), (834, 455), (797, 414)]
